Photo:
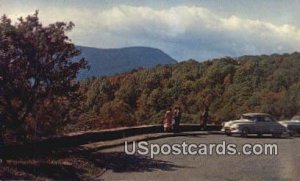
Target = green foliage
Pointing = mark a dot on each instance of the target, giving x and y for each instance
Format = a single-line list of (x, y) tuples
[(117, 112), (227, 86), (37, 77)]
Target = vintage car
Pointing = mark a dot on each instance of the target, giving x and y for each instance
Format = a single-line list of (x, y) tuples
[(292, 125), (254, 123)]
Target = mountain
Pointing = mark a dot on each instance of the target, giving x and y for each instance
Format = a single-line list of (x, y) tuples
[(112, 61)]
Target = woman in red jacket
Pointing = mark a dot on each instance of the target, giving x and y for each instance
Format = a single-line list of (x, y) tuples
[(168, 121)]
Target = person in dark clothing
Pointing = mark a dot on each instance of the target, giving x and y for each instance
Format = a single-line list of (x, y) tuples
[(204, 119), (1, 129), (2, 159), (177, 118)]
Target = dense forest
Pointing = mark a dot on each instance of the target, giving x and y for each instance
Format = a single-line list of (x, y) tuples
[(227, 86)]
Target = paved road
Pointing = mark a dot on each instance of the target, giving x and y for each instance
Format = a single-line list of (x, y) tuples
[(284, 166)]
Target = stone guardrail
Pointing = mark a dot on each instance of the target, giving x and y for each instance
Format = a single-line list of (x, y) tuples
[(84, 137), (110, 134)]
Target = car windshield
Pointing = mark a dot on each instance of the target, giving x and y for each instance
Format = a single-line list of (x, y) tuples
[(296, 118), (251, 118)]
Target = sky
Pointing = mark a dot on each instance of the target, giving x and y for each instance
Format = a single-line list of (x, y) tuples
[(183, 29)]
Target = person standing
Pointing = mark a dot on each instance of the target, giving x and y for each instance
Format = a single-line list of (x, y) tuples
[(204, 119), (177, 118), (2, 156), (168, 120)]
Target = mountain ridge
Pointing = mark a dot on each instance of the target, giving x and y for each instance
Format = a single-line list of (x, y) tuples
[(111, 61)]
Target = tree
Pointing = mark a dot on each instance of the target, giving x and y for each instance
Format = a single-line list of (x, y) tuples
[(117, 114), (36, 70), (98, 93)]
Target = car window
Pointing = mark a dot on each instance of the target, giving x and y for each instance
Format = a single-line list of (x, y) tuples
[(251, 118), (268, 119), (259, 119), (243, 117)]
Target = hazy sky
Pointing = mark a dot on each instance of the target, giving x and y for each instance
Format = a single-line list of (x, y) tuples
[(183, 29)]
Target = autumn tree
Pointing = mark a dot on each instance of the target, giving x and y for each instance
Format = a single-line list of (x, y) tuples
[(227, 87), (37, 75)]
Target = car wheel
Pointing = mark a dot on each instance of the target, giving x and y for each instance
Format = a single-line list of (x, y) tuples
[(228, 134), (276, 135), (245, 132), (292, 133)]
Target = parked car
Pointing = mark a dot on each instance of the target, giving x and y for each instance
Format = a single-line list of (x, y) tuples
[(254, 123), (292, 125)]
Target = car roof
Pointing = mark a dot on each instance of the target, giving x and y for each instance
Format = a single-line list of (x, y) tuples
[(296, 118), (256, 114)]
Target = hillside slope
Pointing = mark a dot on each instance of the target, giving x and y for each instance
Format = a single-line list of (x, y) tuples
[(227, 86)]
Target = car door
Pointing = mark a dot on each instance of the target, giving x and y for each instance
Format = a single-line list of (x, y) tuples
[(269, 125), (259, 125)]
